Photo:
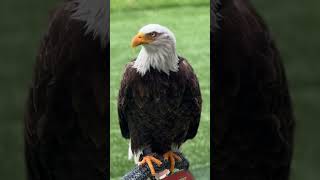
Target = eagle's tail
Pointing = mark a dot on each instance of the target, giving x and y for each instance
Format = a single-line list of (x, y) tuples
[(134, 156), (130, 154)]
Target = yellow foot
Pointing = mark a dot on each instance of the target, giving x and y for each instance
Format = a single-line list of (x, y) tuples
[(149, 160), (172, 157)]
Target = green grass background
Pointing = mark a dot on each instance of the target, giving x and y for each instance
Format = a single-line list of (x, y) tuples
[(121, 5), (294, 23), (192, 32)]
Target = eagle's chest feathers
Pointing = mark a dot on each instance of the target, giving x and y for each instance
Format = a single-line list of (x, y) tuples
[(156, 87)]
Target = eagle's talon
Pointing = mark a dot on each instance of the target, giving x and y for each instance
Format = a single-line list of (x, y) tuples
[(149, 159), (172, 157)]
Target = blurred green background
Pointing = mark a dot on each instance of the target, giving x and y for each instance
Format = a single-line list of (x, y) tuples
[(22, 23), (294, 23), (192, 31)]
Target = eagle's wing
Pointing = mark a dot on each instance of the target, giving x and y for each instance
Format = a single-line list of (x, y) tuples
[(193, 95), (124, 95)]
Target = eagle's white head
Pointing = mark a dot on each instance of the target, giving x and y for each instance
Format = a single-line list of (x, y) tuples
[(158, 49)]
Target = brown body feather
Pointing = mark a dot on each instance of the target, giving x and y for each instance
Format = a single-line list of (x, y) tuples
[(252, 113), (157, 110), (65, 121)]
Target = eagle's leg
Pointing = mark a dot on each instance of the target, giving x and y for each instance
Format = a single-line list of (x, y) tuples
[(149, 159), (172, 157)]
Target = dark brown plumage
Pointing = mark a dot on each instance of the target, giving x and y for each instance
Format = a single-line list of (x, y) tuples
[(157, 110), (252, 113), (66, 120)]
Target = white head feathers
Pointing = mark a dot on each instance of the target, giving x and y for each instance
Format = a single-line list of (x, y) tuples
[(159, 54)]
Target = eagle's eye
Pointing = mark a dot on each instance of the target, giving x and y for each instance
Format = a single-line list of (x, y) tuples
[(153, 34)]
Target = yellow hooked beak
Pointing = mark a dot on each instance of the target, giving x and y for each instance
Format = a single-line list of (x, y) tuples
[(139, 39)]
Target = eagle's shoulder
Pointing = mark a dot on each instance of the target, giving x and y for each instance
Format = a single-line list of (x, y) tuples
[(188, 75), (185, 69), (129, 69), (129, 65), (130, 74)]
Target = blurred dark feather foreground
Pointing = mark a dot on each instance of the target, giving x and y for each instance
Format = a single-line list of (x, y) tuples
[(96, 15), (253, 117), (65, 119)]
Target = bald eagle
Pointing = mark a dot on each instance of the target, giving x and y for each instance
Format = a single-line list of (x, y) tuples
[(159, 103), (66, 119), (253, 116)]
